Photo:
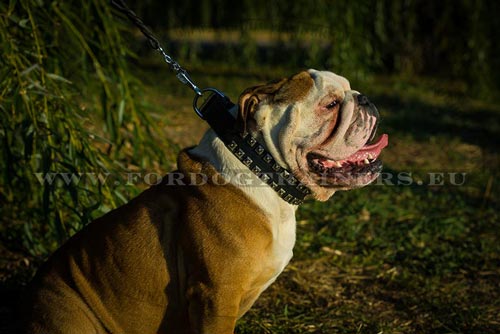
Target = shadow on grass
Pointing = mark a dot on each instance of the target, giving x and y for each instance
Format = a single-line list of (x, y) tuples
[(472, 125)]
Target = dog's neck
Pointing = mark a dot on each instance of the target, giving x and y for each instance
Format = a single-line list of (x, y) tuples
[(213, 150)]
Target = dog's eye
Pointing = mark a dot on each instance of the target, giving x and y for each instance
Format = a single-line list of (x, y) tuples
[(332, 104)]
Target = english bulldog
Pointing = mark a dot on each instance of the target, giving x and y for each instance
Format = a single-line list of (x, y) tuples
[(193, 257)]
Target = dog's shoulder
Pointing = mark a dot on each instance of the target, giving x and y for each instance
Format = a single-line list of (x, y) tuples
[(210, 202)]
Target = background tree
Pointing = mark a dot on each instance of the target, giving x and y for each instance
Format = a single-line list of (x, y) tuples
[(68, 105)]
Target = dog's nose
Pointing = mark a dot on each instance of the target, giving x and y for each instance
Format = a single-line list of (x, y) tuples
[(367, 105), (362, 99)]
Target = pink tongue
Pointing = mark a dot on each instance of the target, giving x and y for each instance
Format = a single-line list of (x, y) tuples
[(366, 152), (373, 149)]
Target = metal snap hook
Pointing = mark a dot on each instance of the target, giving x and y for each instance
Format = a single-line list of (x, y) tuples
[(199, 110)]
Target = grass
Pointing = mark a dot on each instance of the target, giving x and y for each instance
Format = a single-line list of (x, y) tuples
[(388, 258)]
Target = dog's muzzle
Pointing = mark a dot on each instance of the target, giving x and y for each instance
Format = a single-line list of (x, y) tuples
[(352, 168)]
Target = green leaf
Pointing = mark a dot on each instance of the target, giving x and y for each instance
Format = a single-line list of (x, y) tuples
[(56, 77)]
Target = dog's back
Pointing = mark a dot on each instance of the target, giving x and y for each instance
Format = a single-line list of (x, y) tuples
[(144, 267), (105, 274)]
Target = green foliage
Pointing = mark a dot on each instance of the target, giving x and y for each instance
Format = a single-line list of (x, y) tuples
[(63, 71), (357, 38)]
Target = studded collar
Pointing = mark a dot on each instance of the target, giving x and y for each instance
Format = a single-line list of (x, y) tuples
[(216, 111)]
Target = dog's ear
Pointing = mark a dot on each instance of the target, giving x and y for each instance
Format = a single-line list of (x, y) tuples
[(294, 88), (250, 99), (283, 91)]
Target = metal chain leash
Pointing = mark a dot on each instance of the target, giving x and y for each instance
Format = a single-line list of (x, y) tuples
[(181, 73), (216, 110)]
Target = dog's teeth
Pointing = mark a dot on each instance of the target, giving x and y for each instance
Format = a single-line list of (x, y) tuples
[(337, 164), (370, 156), (366, 161)]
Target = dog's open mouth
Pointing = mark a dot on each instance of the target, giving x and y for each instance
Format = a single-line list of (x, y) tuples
[(360, 168)]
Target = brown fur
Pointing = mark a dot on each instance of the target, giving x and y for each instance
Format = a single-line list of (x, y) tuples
[(294, 89), (158, 264), (283, 91)]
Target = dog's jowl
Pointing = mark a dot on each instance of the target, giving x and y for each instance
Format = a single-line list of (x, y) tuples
[(193, 257)]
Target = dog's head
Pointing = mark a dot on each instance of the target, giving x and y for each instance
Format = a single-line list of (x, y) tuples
[(317, 127)]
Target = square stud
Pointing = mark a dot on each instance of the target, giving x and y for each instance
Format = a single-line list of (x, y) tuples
[(292, 180), (247, 161), (274, 185), (259, 149), (256, 169), (232, 145), (281, 192), (239, 154), (268, 158), (288, 198), (276, 167), (251, 141), (285, 174), (265, 177)]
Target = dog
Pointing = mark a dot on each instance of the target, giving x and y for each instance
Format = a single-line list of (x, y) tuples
[(192, 256)]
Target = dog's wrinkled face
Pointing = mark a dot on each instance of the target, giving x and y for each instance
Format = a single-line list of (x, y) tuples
[(317, 127)]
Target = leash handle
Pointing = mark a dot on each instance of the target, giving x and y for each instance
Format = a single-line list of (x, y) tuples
[(181, 73)]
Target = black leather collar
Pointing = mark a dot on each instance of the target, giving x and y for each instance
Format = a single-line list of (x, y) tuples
[(216, 111)]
